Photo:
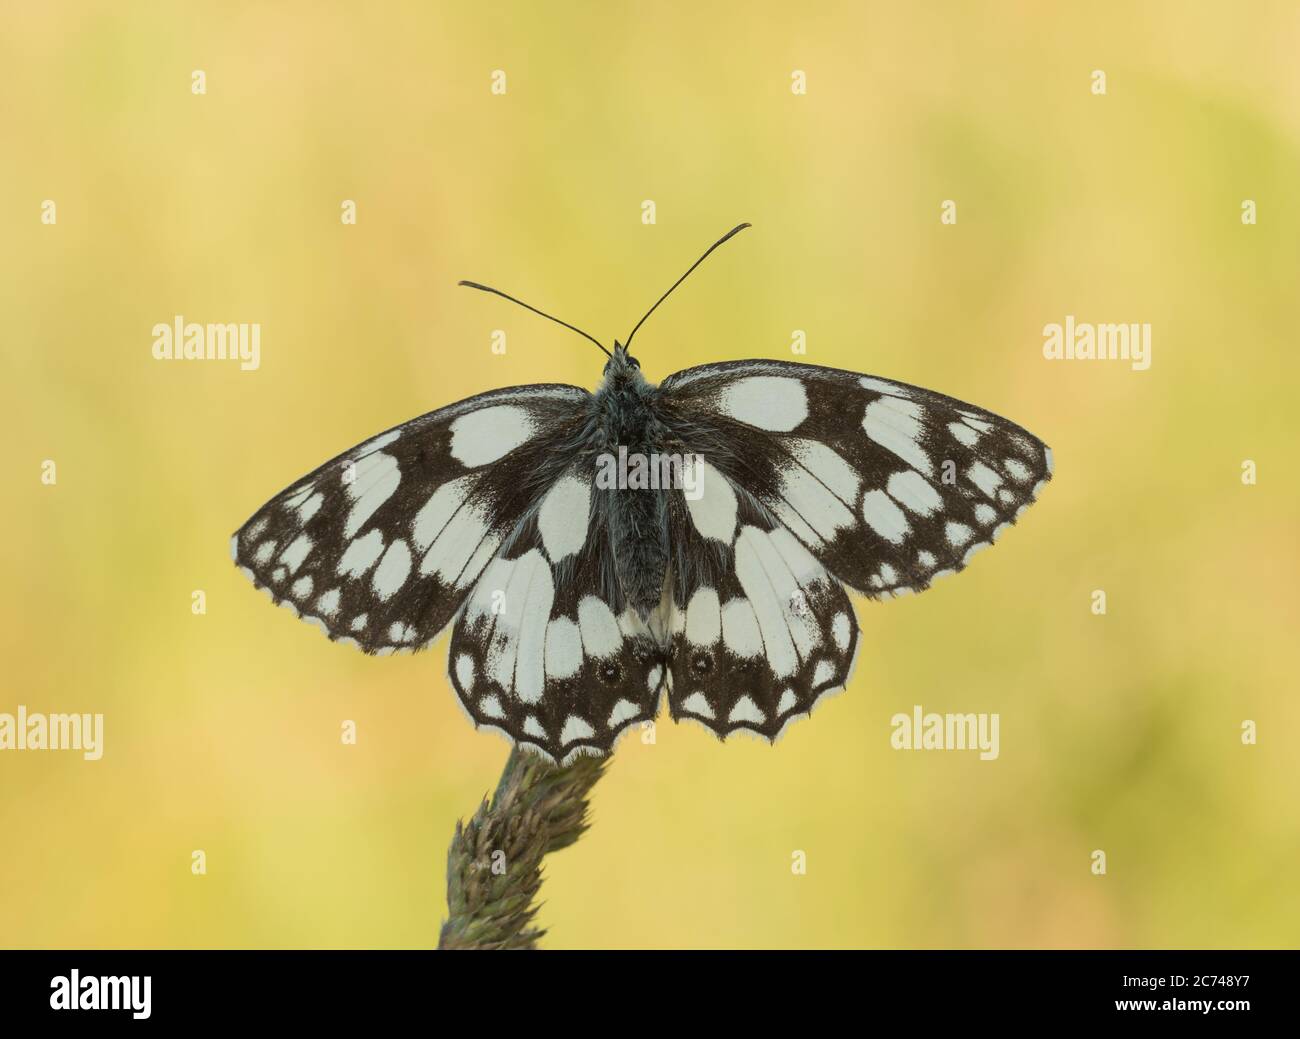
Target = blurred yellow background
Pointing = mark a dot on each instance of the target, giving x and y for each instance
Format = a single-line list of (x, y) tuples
[(1119, 732)]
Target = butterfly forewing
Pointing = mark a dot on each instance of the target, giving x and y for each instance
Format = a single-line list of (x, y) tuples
[(382, 544), (889, 486)]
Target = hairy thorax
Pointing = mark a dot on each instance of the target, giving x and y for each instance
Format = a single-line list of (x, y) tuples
[(636, 518)]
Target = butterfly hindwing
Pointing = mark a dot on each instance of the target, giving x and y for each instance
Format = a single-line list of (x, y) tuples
[(381, 545), (539, 651), (760, 630), (889, 486)]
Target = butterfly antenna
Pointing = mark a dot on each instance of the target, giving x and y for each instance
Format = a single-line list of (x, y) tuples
[(498, 292), (730, 234)]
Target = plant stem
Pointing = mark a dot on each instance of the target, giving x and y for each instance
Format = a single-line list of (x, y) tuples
[(494, 864)]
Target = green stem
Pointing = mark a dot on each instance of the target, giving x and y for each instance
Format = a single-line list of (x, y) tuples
[(494, 864)]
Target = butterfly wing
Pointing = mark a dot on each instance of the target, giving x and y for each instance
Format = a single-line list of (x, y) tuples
[(381, 545), (811, 479), (539, 652), (760, 630), (889, 486)]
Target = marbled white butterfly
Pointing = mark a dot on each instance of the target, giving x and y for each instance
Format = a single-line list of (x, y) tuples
[(575, 599)]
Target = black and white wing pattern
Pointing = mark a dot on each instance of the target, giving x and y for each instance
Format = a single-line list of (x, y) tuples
[(889, 486), (487, 515), (815, 478), (380, 546), (482, 514), (760, 630), (539, 650)]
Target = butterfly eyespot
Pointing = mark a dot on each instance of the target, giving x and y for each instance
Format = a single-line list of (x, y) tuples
[(610, 672), (701, 663)]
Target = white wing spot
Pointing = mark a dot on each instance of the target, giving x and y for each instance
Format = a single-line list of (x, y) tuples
[(986, 479), (623, 710), (714, 511), (985, 514), (745, 710), (328, 603), (696, 704), (302, 588), (840, 631), (310, 507), (298, 496), (360, 621), (963, 433), (703, 619), (483, 436), (383, 440), (829, 467), (437, 512), (600, 634), (465, 671), (788, 702), (459, 549), (361, 555), (393, 570), (884, 517), (740, 629), (1017, 470), (491, 706), (563, 518), (264, 551), (879, 386), (293, 556), (377, 478), (775, 403), (914, 492), (957, 534), (575, 728), (563, 648), (896, 426), (824, 672), (804, 494), (654, 678)]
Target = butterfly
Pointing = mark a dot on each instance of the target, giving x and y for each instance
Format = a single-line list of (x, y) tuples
[(592, 551)]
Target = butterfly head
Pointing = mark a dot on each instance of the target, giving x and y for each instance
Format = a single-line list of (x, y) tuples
[(622, 367)]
